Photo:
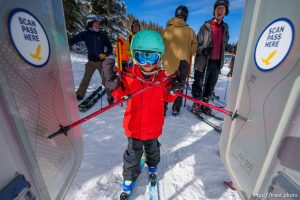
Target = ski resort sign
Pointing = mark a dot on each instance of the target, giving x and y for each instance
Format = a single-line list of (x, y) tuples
[(274, 44), (29, 37)]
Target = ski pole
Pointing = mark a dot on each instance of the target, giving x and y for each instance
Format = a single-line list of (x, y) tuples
[(65, 129), (233, 115), (187, 81)]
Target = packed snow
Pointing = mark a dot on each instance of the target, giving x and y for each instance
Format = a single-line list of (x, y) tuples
[(190, 167)]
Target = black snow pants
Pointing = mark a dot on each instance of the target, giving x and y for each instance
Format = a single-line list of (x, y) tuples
[(212, 74), (133, 154)]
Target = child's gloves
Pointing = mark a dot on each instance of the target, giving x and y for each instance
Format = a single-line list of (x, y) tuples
[(176, 84), (102, 56), (111, 78)]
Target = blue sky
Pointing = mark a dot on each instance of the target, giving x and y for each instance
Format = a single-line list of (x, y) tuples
[(160, 11)]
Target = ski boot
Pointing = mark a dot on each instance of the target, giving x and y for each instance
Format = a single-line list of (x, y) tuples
[(79, 98), (196, 108), (206, 110), (110, 100), (175, 112), (127, 187), (152, 175)]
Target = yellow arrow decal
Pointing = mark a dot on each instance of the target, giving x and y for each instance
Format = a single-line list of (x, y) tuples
[(267, 60), (37, 53)]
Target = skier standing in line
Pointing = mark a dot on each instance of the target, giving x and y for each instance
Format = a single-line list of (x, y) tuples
[(144, 115), (181, 43), (96, 42), (135, 27), (212, 38)]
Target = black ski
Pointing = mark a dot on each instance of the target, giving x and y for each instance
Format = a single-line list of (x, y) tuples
[(204, 119), (90, 97), (214, 116), (217, 99), (93, 101)]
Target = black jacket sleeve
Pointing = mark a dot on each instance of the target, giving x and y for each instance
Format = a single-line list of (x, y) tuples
[(108, 46), (77, 38)]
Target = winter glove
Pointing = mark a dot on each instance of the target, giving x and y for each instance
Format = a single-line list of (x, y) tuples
[(111, 79), (206, 51), (177, 85), (102, 56)]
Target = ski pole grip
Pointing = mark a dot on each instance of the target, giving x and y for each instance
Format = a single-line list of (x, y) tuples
[(63, 129)]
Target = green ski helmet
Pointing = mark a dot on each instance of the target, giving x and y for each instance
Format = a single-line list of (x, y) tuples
[(147, 40)]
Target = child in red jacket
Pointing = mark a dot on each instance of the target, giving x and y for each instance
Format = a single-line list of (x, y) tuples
[(144, 115)]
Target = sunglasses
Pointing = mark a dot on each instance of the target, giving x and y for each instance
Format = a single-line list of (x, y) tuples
[(143, 57)]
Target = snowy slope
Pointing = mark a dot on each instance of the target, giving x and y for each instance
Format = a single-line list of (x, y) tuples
[(190, 166)]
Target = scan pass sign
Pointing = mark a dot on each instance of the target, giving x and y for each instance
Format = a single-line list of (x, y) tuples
[(29, 37), (274, 44)]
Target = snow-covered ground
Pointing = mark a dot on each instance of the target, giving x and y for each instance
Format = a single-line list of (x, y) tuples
[(190, 166)]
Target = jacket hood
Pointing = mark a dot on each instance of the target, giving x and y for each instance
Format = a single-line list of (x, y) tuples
[(175, 21)]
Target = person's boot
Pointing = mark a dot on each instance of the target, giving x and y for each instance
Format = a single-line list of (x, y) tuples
[(206, 110), (79, 98), (196, 108), (152, 175), (110, 100), (127, 187), (175, 112)]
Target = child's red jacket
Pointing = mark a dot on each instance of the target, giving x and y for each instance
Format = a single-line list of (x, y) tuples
[(144, 115)]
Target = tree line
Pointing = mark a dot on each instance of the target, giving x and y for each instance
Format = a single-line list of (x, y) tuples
[(115, 21)]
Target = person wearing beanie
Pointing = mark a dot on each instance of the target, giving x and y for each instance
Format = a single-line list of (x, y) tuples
[(180, 45), (212, 39), (135, 27)]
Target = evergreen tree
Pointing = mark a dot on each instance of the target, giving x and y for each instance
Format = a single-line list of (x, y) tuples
[(114, 17), (73, 16), (144, 25)]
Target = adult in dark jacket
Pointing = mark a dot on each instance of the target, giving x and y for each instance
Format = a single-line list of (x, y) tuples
[(99, 47), (212, 38)]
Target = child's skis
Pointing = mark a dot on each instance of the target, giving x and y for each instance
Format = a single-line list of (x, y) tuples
[(126, 196), (153, 191)]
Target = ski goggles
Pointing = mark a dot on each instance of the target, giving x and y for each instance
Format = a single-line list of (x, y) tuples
[(143, 57)]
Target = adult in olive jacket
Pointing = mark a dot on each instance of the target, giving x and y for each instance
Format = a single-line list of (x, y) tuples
[(212, 39), (180, 45)]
